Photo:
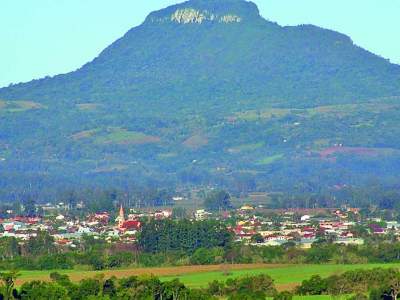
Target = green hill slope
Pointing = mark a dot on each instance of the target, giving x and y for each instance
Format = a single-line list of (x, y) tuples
[(208, 92)]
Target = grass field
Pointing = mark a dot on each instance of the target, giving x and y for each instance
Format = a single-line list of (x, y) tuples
[(270, 159), (286, 276), (19, 106), (116, 135), (246, 147), (85, 134), (88, 106)]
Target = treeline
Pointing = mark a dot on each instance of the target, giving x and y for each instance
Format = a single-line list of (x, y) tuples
[(375, 199), (40, 253), (93, 200), (374, 195), (132, 288), (377, 283)]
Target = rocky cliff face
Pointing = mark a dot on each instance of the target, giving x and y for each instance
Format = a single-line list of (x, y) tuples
[(191, 15), (202, 11)]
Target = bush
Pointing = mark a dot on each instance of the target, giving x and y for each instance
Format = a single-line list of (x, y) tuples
[(314, 286), (284, 296)]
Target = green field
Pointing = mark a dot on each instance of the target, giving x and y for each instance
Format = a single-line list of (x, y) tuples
[(286, 276), (270, 159), (114, 135), (246, 147)]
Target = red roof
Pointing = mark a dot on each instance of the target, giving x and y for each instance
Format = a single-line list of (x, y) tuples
[(131, 225), (308, 235), (307, 228)]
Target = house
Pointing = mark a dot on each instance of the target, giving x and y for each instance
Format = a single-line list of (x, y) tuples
[(376, 229), (247, 208), (349, 241), (201, 215), (131, 225), (163, 214), (305, 218)]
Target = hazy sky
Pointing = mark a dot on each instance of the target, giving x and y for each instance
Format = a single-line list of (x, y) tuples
[(48, 37)]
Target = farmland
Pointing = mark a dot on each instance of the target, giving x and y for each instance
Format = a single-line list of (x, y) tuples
[(286, 276)]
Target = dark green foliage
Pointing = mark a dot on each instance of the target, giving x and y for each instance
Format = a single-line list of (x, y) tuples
[(217, 201), (7, 284), (38, 290), (212, 103), (284, 296), (42, 244), (257, 238), (190, 246), (183, 235), (204, 256), (120, 259), (314, 286), (359, 296), (252, 287), (54, 261), (381, 283), (29, 207), (9, 248)]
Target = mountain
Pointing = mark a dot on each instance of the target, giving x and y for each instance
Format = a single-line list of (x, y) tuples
[(208, 92)]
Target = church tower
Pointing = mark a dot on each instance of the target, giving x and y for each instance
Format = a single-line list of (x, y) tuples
[(121, 217)]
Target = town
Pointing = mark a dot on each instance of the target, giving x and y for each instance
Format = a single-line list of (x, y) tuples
[(251, 225)]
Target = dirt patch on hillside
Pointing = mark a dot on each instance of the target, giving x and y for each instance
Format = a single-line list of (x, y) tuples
[(195, 142)]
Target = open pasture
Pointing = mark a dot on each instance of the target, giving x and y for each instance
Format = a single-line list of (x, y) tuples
[(286, 276)]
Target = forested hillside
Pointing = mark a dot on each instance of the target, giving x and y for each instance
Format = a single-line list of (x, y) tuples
[(207, 92)]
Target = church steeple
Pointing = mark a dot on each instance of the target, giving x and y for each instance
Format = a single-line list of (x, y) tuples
[(121, 217)]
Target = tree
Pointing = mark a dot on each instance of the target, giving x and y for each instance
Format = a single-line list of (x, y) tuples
[(89, 287), (358, 296), (394, 283), (183, 235), (204, 256), (38, 290), (61, 279), (216, 288), (42, 244), (173, 289), (8, 281), (314, 286), (9, 248), (258, 287), (30, 207), (218, 200), (257, 238), (179, 213), (284, 296), (71, 199)]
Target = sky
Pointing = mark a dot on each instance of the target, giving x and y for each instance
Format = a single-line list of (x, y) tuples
[(41, 38)]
